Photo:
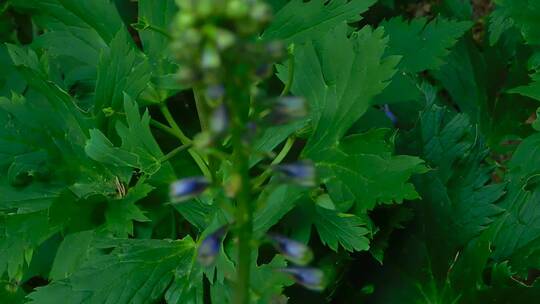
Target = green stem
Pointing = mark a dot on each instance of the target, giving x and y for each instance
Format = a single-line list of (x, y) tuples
[(290, 78), (168, 116), (238, 102), (202, 108), (158, 30), (173, 153), (203, 112), (278, 159), (163, 127), (185, 141)]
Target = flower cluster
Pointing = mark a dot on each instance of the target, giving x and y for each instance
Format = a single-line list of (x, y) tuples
[(210, 35), (221, 58), (299, 254)]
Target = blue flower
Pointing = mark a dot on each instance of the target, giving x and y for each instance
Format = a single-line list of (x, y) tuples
[(390, 114), (310, 278), (292, 250), (209, 247), (187, 188), (302, 172), (288, 108), (215, 92)]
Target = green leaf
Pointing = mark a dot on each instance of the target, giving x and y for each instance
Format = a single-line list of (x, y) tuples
[(271, 137), (531, 90), (87, 27), (458, 189), (443, 254), (277, 4), (31, 198), (121, 213), (73, 251), (131, 74), (100, 149), (157, 16), (66, 132), (463, 77), (64, 116), (423, 45), (339, 76), (197, 212), (518, 234), (135, 271), (300, 20), (363, 167), (498, 24), (10, 80), (522, 14), (336, 228), (536, 123), (139, 149), (155, 19), (20, 234), (267, 283), (99, 15), (273, 204)]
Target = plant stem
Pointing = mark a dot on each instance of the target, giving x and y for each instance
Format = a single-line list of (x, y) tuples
[(278, 159), (174, 152), (185, 141), (290, 78), (202, 108), (158, 30), (164, 128), (245, 225), (203, 112), (238, 101), (168, 116)]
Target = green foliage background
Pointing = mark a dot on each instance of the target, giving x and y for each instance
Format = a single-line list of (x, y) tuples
[(439, 206)]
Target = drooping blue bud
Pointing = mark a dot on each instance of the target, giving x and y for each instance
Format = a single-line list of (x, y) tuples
[(292, 250), (215, 92), (287, 109), (187, 188), (219, 121), (390, 114), (275, 50), (302, 172), (310, 278), (209, 248)]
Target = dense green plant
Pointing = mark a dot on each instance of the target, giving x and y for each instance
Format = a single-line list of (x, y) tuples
[(250, 151)]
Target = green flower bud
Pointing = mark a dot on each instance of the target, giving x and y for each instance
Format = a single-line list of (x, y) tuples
[(210, 58), (261, 13), (186, 76), (191, 37), (224, 39), (237, 9), (184, 20), (205, 8)]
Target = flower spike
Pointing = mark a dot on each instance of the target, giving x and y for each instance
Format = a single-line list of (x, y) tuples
[(292, 250), (209, 247), (187, 188), (310, 278)]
